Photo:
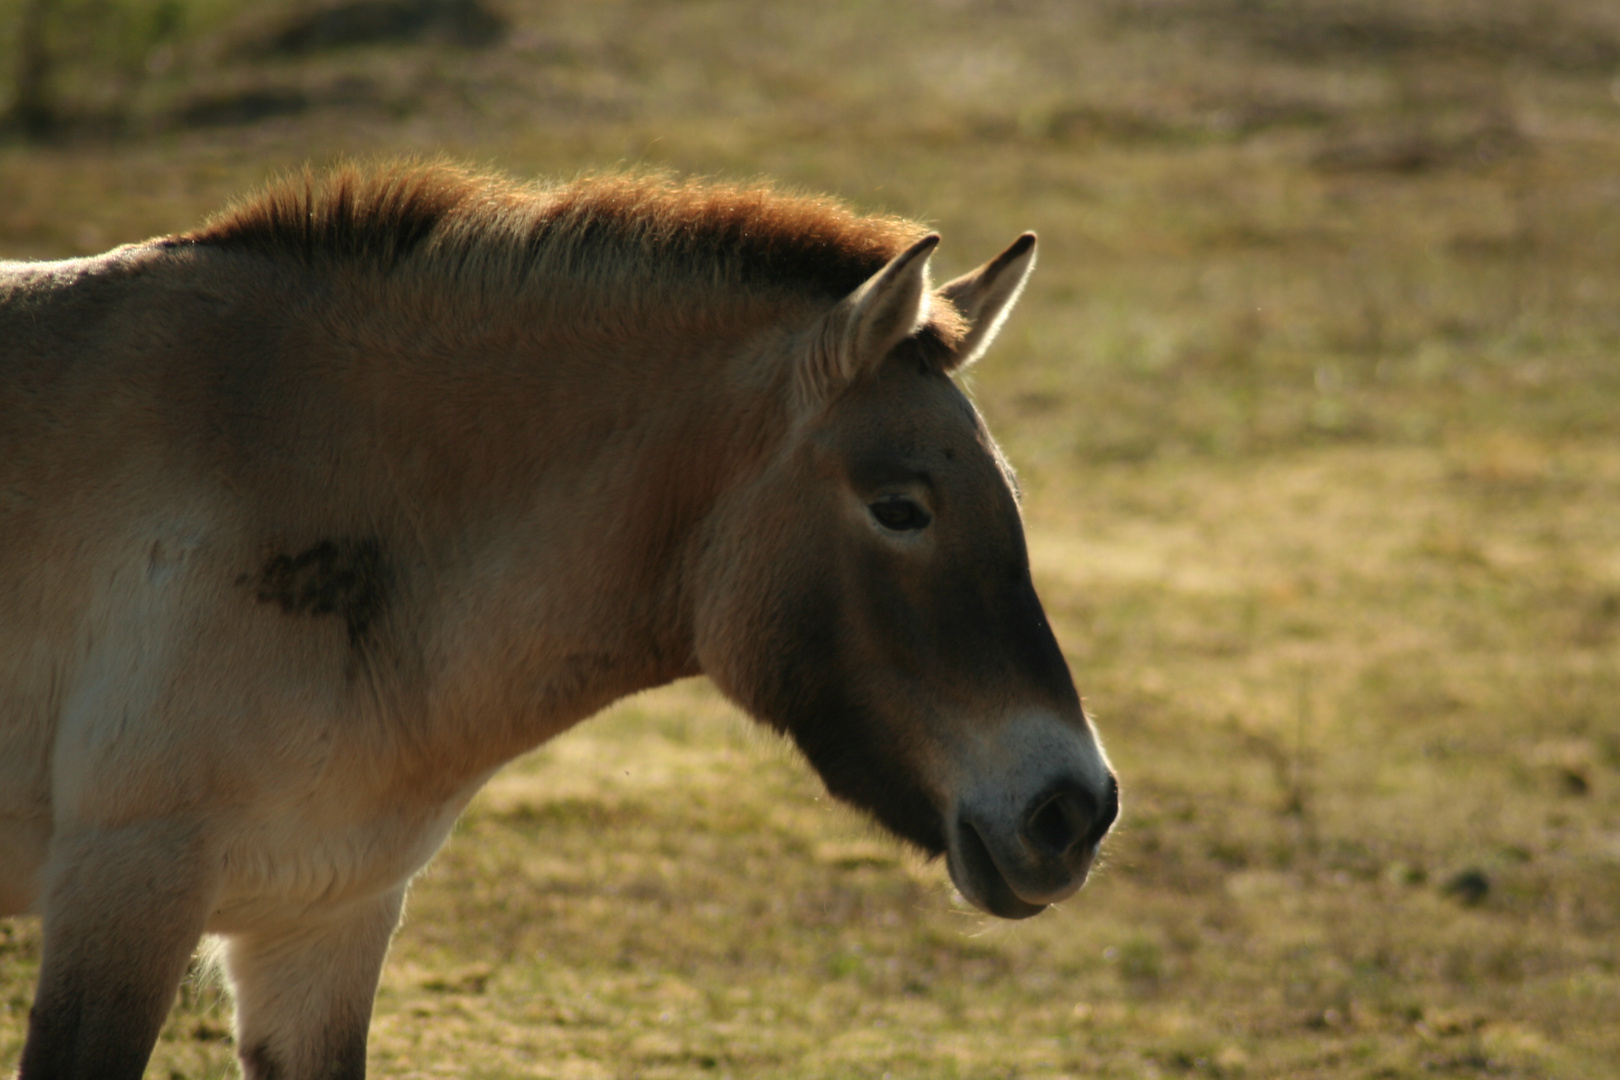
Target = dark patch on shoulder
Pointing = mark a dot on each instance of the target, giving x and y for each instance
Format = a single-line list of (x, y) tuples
[(347, 578)]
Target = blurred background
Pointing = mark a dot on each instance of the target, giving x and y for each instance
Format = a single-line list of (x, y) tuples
[(1315, 397)]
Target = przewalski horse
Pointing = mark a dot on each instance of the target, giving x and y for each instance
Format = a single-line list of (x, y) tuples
[(312, 518)]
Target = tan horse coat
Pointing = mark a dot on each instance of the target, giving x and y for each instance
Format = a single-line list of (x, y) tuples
[(311, 519)]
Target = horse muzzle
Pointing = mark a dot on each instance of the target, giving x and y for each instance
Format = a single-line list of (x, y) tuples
[(1025, 835)]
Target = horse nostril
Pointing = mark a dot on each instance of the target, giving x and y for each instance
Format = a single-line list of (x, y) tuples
[(1058, 822), (1069, 816)]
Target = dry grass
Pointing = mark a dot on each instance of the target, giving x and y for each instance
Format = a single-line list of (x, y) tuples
[(1315, 403)]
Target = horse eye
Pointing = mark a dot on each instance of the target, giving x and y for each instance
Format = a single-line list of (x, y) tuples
[(900, 514)]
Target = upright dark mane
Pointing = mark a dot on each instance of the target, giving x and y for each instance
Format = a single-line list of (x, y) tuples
[(345, 215), (738, 235)]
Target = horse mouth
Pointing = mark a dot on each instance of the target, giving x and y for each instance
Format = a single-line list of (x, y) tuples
[(978, 878)]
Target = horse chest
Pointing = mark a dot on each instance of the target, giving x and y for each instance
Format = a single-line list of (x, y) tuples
[(297, 862)]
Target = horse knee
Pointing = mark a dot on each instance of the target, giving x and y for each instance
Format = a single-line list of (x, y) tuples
[(304, 994)]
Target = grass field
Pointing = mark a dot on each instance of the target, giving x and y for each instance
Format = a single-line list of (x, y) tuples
[(1316, 403)]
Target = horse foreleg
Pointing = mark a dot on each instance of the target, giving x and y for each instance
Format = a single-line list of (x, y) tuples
[(123, 910), (304, 994)]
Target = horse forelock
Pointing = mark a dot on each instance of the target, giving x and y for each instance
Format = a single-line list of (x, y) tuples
[(646, 231)]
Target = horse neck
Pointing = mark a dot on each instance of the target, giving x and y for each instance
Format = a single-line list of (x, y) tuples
[(574, 455)]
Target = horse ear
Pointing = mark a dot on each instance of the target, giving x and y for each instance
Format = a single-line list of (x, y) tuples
[(986, 296), (856, 335)]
